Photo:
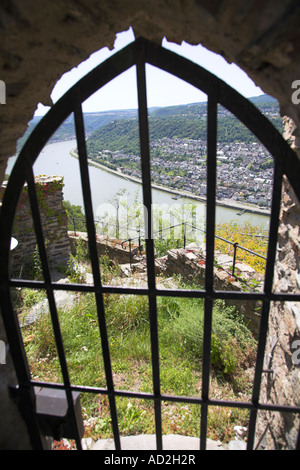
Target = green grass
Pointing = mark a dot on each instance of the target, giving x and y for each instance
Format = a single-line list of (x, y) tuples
[(180, 326)]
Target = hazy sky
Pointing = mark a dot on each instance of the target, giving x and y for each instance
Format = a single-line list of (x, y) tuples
[(163, 89)]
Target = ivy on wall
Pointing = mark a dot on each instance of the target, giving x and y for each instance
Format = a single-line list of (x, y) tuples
[(54, 220)]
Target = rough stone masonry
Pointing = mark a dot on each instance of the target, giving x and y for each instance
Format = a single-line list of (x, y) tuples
[(54, 222), (281, 384)]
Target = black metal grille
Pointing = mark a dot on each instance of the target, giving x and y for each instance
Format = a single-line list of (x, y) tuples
[(286, 163)]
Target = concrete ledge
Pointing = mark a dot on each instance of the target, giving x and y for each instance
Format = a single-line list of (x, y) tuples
[(148, 442)]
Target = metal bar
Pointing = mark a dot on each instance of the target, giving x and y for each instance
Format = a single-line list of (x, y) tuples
[(250, 251), (234, 257), (85, 182), (273, 229), (147, 200), (154, 232), (264, 319), (74, 226), (140, 243), (160, 226), (51, 299), (10, 318), (174, 398), (186, 293), (12, 327), (130, 254), (258, 372), (209, 271), (298, 440)]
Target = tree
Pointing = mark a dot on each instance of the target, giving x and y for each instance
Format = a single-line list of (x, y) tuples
[(116, 201), (76, 217)]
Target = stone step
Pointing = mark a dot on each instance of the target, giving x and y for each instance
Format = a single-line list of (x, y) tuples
[(148, 442)]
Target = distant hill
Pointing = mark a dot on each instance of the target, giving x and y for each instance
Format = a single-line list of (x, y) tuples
[(118, 129), (197, 109), (263, 98), (92, 122), (183, 121)]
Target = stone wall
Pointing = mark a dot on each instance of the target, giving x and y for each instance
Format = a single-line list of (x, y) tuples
[(282, 354), (54, 221), (106, 246), (282, 386)]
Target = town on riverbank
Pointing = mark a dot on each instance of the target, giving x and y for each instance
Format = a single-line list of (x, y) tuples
[(178, 154), (244, 178)]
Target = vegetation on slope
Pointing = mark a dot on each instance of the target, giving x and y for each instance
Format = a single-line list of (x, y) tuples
[(180, 326)]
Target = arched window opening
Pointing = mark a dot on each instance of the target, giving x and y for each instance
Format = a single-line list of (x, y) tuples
[(190, 319)]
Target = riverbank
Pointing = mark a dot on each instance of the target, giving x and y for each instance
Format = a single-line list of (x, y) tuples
[(228, 203)]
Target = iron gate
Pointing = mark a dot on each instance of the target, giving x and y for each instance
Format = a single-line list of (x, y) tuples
[(286, 162)]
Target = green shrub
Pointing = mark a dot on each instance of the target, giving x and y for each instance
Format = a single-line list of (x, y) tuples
[(230, 341), (126, 312)]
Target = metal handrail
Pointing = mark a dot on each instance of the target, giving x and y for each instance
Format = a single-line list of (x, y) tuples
[(235, 245)]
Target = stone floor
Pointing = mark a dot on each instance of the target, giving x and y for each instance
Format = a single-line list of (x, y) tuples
[(170, 442)]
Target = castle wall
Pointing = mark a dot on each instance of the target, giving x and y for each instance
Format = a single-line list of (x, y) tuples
[(54, 222)]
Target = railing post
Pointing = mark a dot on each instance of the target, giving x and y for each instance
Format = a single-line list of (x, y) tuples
[(130, 259), (140, 245), (235, 245), (160, 228), (74, 226), (184, 234)]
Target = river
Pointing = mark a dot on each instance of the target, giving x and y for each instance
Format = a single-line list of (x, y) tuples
[(55, 159)]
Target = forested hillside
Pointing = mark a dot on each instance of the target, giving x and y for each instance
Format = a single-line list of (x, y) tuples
[(118, 130), (178, 151), (186, 121), (92, 121)]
